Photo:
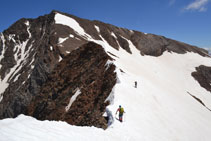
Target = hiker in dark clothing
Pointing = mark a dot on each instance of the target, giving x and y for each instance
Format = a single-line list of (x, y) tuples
[(121, 112), (135, 84)]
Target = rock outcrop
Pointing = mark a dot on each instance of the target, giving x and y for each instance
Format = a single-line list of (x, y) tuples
[(85, 71), (26, 62), (203, 76)]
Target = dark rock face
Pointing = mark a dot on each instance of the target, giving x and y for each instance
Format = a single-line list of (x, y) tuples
[(203, 76), (148, 44), (84, 69), (31, 69), (154, 45)]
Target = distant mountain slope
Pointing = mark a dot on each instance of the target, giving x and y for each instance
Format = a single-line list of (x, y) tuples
[(61, 67)]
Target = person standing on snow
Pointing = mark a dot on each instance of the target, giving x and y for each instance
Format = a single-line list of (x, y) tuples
[(121, 112), (135, 84)]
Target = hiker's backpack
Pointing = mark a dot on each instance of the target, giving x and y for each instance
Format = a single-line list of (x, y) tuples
[(121, 110)]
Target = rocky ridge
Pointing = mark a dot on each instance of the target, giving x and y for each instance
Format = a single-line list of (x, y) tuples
[(86, 71), (33, 53)]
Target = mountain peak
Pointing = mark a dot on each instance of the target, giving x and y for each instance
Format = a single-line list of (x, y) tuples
[(62, 67)]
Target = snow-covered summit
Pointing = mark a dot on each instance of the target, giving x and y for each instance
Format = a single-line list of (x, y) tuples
[(172, 100)]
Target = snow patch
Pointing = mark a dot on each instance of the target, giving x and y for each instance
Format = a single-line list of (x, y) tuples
[(60, 58), (16, 78), (72, 99), (3, 47), (32, 62), (108, 63), (71, 36), (28, 27), (28, 76), (112, 34), (11, 37), (23, 82), (97, 28), (21, 61), (51, 48), (24, 53), (27, 23), (32, 66), (68, 52), (61, 40), (72, 23)]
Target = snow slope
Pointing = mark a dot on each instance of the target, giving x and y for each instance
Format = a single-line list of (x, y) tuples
[(159, 109)]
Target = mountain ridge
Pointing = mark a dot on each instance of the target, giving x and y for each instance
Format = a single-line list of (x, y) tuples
[(31, 50)]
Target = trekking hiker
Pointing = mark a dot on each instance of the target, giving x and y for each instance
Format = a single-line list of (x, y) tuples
[(135, 84), (121, 112)]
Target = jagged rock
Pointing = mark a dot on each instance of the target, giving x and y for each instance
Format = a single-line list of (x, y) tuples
[(27, 57), (83, 70), (203, 76)]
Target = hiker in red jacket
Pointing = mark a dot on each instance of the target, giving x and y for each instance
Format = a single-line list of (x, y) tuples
[(121, 111)]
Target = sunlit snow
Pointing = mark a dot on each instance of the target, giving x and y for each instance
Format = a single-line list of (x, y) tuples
[(61, 40), (60, 58), (51, 48), (112, 33), (28, 27), (97, 28), (72, 99), (72, 23), (3, 48), (71, 36)]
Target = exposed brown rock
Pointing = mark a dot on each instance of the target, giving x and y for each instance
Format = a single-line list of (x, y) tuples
[(149, 44), (84, 69), (155, 45)]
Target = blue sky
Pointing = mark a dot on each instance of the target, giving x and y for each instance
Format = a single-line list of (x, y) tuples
[(188, 21)]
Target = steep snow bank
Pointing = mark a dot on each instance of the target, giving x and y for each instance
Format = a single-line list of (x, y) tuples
[(72, 23)]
